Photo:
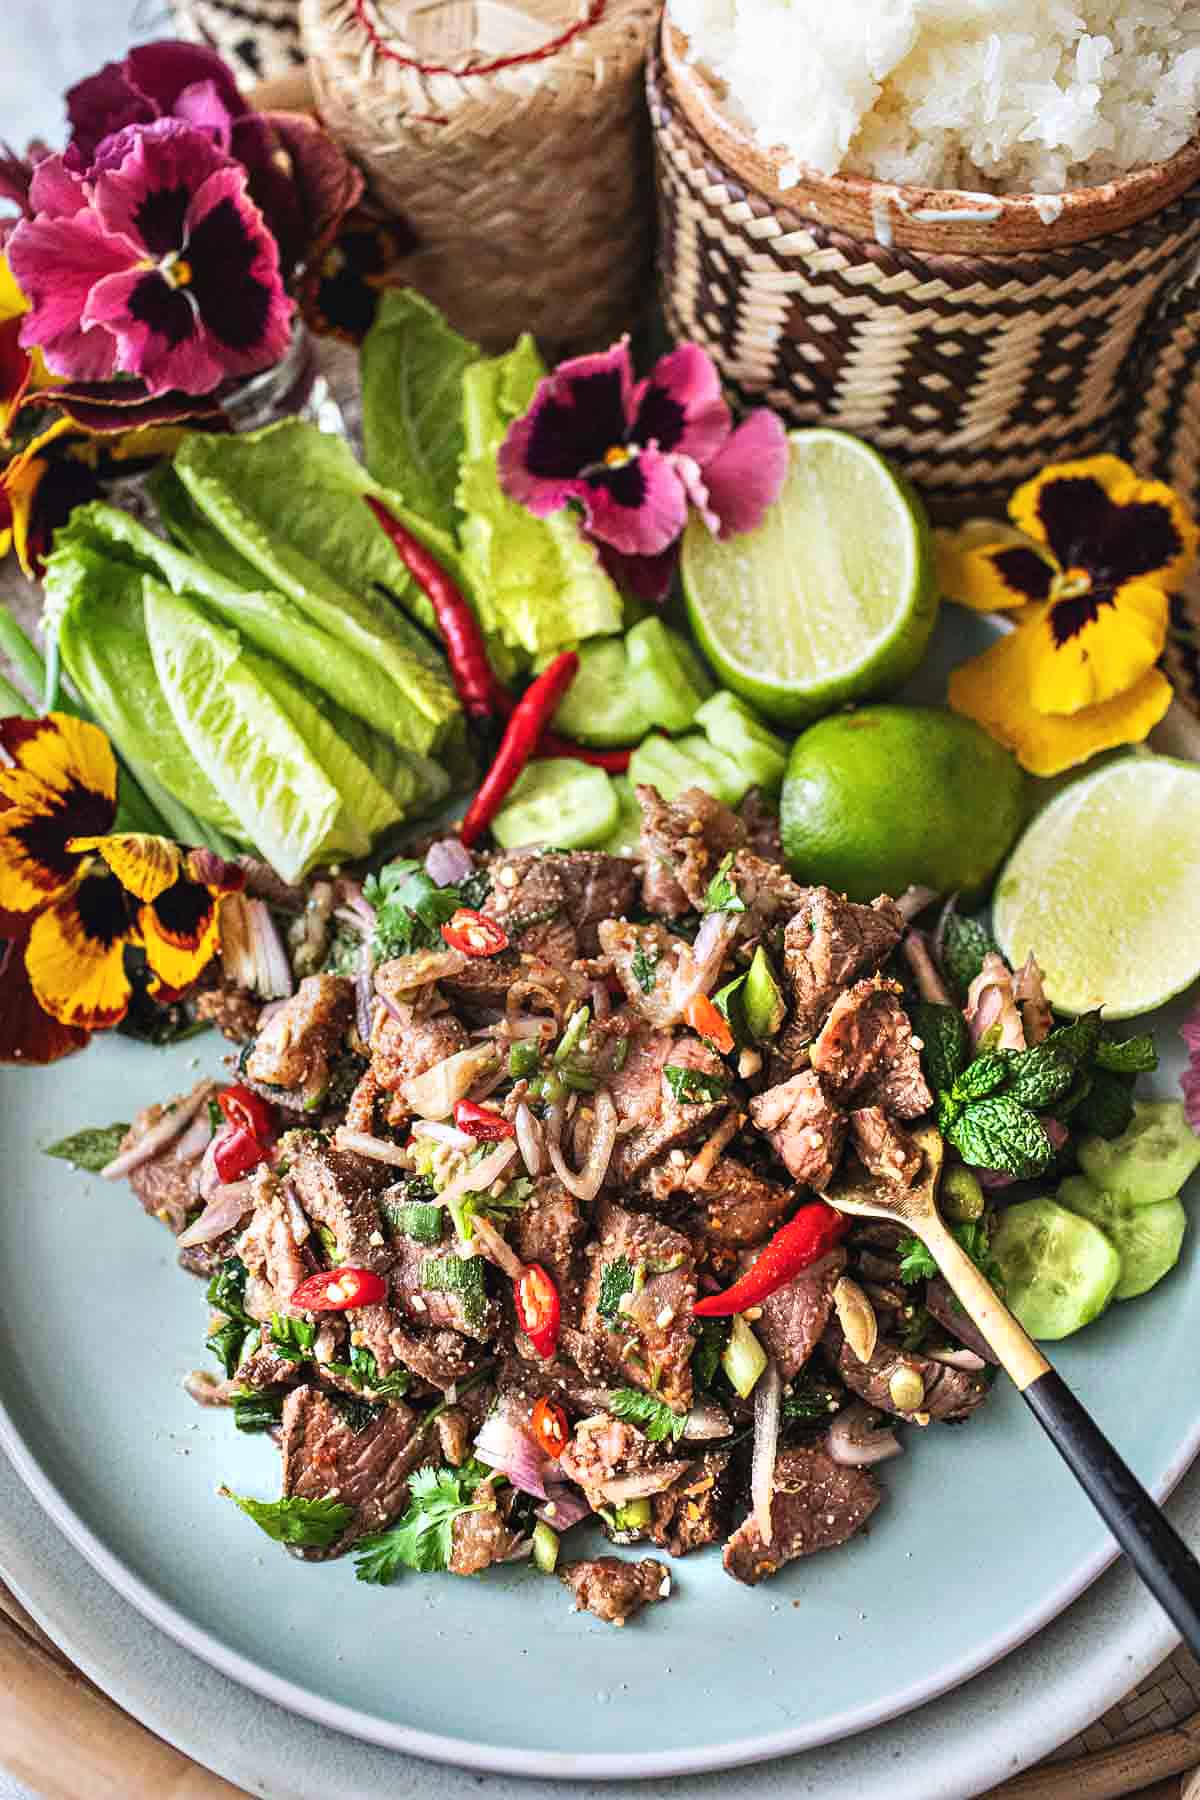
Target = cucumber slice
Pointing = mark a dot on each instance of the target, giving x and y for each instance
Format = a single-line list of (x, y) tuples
[(665, 766), (602, 706), (665, 675), (730, 726), (1148, 1239), (557, 801), (627, 838), (1060, 1271), (721, 775), (1151, 1159)]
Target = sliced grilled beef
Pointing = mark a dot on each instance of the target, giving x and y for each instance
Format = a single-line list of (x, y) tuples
[(263, 1367), (439, 1356), (644, 959), (482, 987), (167, 1184), (437, 1287), (616, 1590), (883, 1147), (233, 1010), (828, 943), (687, 837), (949, 1393), (794, 1317), (367, 1469), (613, 1461), (577, 888), (637, 1304), (694, 1511), (651, 1119), (341, 1192), (401, 1051), (550, 1231), (294, 1048), (804, 1127), (865, 1051), (762, 827), (941, 1304), (766, 890), (735, 1207), (272, 1245), (479, 1539), (817, 1504)]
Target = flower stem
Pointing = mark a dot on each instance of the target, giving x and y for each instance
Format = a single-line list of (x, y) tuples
[(21, 653)]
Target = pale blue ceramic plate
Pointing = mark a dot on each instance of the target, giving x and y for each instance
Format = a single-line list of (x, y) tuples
[(983, 1537)]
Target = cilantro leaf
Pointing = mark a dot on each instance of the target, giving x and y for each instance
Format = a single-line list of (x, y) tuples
[(809, 1399), (313, 1524), (363, 1371), (981, 1077), (1039, 1076), (293, 1338), (691, 1086), (945, 1041), (708, 1350), (1107, 1108), (965, 943), (424, 1538), (616, 1280), (410, 909), (722, 894), (92, 1149), (654, 1416), (1129, 1056), (1000, 1133), (974, 1236), (916, 1264), (644, 968)]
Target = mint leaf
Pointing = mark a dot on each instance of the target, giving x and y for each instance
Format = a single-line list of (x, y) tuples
[(644, 968), (1130, 1056), (1000, 1133), (1108, 1106), (257, 1412), (292, 1338), (722, 894), (1078, 1039), (313, 1524), (616, 1280), (965, 943), (227, 1290), (809, 1399), (226, 1344), (708, 1350), (363, 1371), (691, 1086), (423, 1539), (1040, 1076), (981, 1077), (654, 1416), (945, 1041), (92, 1149)]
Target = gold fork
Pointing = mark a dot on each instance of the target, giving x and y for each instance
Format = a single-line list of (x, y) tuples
[(1153, 1546)]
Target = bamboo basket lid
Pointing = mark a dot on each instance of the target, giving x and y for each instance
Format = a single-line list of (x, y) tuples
[(927, 219)]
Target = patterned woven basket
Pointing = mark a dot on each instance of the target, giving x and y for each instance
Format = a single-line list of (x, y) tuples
[(260, 39), (971, 342), (512, 136)]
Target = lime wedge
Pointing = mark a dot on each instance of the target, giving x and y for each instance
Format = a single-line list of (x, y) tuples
[(831, 599), (1103, 888)]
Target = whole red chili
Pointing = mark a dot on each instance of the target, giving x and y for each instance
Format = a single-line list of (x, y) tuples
[(552, 744), (474, 933), (481, 1123), (235, 1151), (550, 1426), (242, 1106), (337, 1290), (539, 1311), (530, 716), (466, 651), (804, 1240)]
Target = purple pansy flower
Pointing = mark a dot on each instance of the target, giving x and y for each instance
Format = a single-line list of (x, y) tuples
[(155, 263), (635, 455), (1189, 1031)]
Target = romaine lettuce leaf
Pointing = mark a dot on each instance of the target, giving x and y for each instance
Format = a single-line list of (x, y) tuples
[(95, 604), (412, 367), (243, 740), (539, 582), (290, 500)]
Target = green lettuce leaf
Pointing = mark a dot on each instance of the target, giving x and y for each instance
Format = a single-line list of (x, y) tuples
[(95, 604), (412, 366), (243, 740), (290, 500), (539, 583)]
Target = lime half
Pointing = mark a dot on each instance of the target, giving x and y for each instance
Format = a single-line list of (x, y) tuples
[(831, 599), (1104, 888)]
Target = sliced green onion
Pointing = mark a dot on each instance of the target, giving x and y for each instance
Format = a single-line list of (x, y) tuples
[(545, 1547), (743, 1358), (577, 1024), (634, 1515), (524, 1059)]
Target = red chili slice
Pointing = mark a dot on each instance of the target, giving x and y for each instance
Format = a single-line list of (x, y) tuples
[(480, 1122), (242, 1106), (539, 1311), (474, 933), (338, 1290), (802, 1241), (550, 1426), (235, 1152)]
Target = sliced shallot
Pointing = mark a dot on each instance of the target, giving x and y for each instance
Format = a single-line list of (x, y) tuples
[(957, 1359), (854, 1438), (768, 1397), (448, 862), (587, 1183), (496, 1249), (700, 965), (529, 1140), (707, 1420), (226, 1208), (442, 1133), (173, 1124), (640, 1487), (506, 1447), (478, 1180), (361, 1143)]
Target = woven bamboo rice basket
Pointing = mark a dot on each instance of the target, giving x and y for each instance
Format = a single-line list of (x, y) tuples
[(512, 135), (971, 337), (259, 39)]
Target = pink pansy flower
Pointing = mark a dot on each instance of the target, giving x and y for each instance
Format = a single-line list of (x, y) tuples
[(634, 455), (155, 263), (1189, 1031)]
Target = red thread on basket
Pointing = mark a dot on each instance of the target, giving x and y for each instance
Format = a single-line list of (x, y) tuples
[(595, 11)]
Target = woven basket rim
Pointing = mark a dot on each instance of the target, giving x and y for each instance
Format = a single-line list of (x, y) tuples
[(867, 208)]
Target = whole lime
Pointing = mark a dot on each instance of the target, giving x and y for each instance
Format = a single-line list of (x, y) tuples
[(886, 796)]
